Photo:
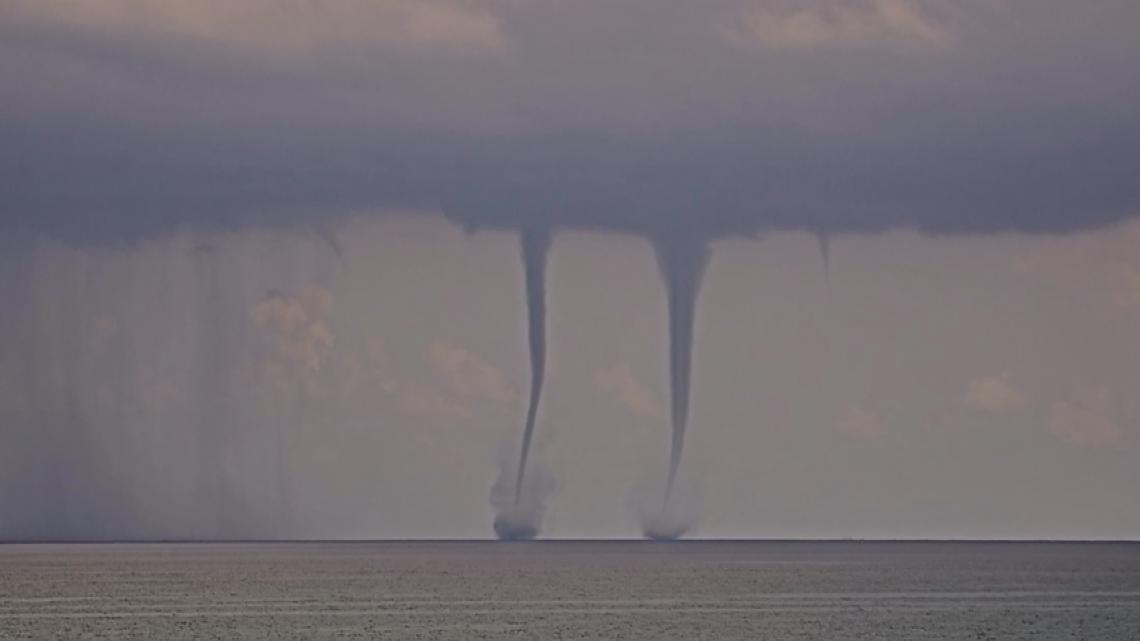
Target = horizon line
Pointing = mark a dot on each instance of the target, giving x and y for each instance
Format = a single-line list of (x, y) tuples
[(170, 541)]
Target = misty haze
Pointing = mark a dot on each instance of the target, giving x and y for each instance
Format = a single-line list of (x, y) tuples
[(675, 302)]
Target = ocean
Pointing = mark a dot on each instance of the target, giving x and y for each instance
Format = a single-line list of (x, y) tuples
[(776, 590)]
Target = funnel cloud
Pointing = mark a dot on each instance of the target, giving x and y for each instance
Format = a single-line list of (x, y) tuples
[(682, 266), (535, 247), (518, 520)]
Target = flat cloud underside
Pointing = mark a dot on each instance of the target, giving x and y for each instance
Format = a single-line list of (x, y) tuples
[(719, 119)]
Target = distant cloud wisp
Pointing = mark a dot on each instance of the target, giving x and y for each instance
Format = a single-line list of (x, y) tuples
[(843, 24), (620, 381), (994, 394)]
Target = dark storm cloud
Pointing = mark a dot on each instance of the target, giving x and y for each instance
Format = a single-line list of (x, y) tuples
[(706, 119)]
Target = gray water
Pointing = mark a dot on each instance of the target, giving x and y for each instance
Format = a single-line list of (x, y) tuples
[(572, 590)]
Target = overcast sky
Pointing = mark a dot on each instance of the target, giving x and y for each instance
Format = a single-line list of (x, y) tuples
[(261, 269)]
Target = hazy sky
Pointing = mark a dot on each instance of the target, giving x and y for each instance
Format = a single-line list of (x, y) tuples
[(241, 298)]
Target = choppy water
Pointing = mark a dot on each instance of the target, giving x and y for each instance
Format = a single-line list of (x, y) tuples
[(572, 590)]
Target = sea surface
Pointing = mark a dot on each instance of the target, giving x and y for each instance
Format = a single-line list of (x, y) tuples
[(571, 590)]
